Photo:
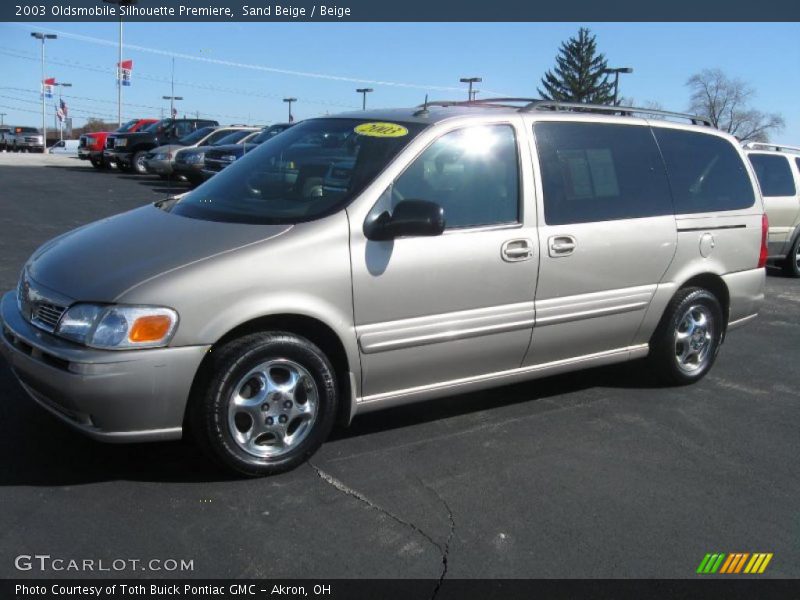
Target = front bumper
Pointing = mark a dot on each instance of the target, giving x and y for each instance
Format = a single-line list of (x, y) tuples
[(88, 154), (159, 167), (117, 157), (114, 396)]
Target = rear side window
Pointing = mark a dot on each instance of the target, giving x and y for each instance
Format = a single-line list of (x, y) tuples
[(774, 174), (600, 172), (705, 172)]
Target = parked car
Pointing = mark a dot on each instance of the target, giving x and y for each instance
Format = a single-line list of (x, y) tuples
[(462, 246), (778, 170), (160, 161), (92, 144), (189, 162), (27, 139), (128, 150), (64, 147), (217, 159), (6, 135)]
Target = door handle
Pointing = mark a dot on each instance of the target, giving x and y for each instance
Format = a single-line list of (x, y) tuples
[(516, 250), (562, 245)]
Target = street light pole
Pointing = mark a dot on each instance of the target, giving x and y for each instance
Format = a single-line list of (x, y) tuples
[(120, 3), (470, 81), (172, 97), (616, 71), (289, 101), (364, 92), (42, 37)]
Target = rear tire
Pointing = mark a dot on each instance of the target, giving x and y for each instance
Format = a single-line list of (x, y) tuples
[(687, 340), (791, 265), (265, 403)]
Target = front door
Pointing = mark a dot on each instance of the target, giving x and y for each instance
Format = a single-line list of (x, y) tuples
[(430, 311)]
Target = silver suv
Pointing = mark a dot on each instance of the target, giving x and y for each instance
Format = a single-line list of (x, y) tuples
[(378, 258), (778, 171)]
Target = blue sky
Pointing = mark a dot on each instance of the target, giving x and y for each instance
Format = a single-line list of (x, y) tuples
[(511, 58)]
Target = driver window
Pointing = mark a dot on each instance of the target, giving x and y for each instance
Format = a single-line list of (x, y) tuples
[(473, 173)]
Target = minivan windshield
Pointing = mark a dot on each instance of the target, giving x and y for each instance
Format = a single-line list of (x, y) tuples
[(305, 173), (195, 136), (231, 138)]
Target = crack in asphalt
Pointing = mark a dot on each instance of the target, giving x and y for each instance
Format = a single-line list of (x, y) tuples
[(443, 550), (446, 549)]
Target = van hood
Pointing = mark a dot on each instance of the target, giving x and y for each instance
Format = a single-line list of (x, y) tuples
[(100, 261)]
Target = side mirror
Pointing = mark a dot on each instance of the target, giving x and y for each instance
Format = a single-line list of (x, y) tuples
[(409, 218)]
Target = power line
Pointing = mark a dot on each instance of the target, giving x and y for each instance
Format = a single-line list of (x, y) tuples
[(100, 69), (254, 67)]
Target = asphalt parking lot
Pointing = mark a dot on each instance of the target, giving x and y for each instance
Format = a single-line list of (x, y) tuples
[(594, 474)]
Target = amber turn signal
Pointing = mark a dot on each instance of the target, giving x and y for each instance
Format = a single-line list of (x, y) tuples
[(150, 329)]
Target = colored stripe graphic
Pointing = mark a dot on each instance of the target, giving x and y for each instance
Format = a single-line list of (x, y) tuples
[(734, 563), (764, 564)]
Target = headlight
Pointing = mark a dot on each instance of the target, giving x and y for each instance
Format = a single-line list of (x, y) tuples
[(118, 327), (195, 158), (120, 142), (161, 156)]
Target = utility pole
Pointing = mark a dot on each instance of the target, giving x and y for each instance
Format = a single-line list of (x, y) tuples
[(616, 72), (120, 4), (470, 81), (364, 92), (1, 117), (42, 37), (289, 101)]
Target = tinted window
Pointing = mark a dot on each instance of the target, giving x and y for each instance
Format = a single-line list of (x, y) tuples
[(473, 173), (600, 172), (774, 174), (184, 128), (195, 136), (705, 172), (307, 172), (225, 137)]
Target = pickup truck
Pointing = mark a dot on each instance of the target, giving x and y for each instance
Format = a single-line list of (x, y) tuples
[(6, 135), (129, 150), (91, 145), (27, 139)]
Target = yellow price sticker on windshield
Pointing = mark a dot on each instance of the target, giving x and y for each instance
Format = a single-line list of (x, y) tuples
[(389, 130)]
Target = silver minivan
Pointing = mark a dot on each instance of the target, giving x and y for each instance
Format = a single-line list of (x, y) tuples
[(378, 258)]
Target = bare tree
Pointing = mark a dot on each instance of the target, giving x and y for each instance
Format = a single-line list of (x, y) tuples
[(726, 102)]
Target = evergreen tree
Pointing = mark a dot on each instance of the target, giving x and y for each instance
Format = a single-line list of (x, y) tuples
[(578, 75)]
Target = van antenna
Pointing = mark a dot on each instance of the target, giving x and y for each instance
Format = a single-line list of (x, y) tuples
[(423, 112)]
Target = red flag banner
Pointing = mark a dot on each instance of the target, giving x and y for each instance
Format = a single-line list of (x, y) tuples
[(124, 71)]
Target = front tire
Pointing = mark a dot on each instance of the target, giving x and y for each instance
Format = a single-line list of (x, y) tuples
[(685, 345), (137, 163), (266, 403), (791, 265)]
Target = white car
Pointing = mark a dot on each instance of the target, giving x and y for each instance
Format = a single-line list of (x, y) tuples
[(64, 147)]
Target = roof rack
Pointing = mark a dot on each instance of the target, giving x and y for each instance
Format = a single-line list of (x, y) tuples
[(530, 104), (768, 146)]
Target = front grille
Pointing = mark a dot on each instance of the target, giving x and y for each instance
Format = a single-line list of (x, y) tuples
[(31, 139), (47, 315), (36, 307)]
